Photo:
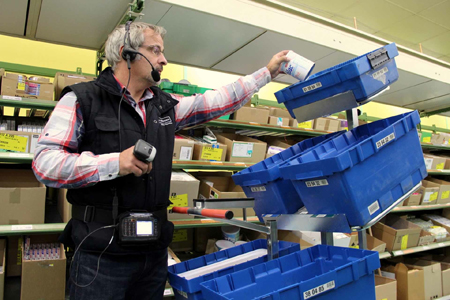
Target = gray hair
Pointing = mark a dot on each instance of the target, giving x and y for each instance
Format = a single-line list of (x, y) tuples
[(116, 38)]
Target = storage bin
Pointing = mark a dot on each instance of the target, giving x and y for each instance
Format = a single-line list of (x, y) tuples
[(364, 76), (321, 272), (262, 181), (190, 289), (361, 172)]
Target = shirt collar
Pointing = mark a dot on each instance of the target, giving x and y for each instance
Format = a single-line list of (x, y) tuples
[(147, 95)]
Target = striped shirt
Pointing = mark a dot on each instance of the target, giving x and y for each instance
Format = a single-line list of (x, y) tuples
[(57, 162)]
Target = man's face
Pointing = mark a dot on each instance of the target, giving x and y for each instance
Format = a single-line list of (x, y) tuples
[(152, 48)]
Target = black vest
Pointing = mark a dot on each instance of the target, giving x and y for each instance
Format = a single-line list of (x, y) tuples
[(99, 104)]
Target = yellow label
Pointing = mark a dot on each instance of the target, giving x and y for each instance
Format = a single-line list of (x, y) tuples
[(13, 142), (21, 86), (307, 124), (404, 242), (440, 166), (180, 235), (434, 196), (354, 247), (445, 195), (427, 139), (384, 299), (211, 153), (179, 200), (19, 251)]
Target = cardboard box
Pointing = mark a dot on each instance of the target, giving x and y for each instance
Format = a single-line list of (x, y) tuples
[(272, 150), (64, 207), (279, 112), (290, 236), (183, 148), (44, 279), (437, 139), (430, 192), (22, 198), (397, 233), (445, 268), (64, 79), (252, 114), (183, 190), (425, 238), (210, 152), (2, 267), (278, 121), (434, 162), (415, 198), (42, 90), (183, 240), (23, 146), (203, 234), (425, 137), (305, 125), (375, 244), (242, 148), (410, 282), (222, 187), (385, 288), (326, 124), (432, 277), (14, 256), (444, 190)]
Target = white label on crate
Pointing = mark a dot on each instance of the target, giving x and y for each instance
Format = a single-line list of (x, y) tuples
[(385, 140), (321, 216), (21, 227), (315, 183), (319, 290), (185, 153), (12, 98), (242, 149), (380, 73), (312, 87), (373, 207), (258, 189), (428, 163)]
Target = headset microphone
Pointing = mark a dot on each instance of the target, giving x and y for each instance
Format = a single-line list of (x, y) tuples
[(130, 54)]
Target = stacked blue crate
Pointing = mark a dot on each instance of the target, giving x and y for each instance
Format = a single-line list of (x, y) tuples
[(364, 76), (362, 172), (262, 181), (323, 272), (190, 288)]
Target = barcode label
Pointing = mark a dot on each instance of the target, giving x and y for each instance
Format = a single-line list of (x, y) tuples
[(385, 140), (258, 189), (373, 207), (380, 73), (315, 183), (319, 290), (312, 87)]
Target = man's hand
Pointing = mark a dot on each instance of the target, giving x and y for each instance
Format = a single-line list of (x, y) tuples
[(276, 61), (128, 163)]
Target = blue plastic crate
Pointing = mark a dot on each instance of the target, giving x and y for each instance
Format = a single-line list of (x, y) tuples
[(361, 172), (190, 289), (364, 76), (321, 272), (262, 181)]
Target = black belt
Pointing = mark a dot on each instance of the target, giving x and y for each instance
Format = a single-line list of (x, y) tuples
[(88, 213)]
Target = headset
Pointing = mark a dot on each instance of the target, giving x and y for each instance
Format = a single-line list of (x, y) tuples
[(129, 54)]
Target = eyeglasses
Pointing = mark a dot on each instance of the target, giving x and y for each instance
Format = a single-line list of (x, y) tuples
[(155, 49)]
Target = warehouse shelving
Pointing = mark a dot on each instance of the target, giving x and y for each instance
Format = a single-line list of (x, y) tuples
[(420, 207), (421, 248)]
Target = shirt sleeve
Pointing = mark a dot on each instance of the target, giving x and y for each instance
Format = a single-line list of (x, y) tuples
[(212, 104), (56, 161)]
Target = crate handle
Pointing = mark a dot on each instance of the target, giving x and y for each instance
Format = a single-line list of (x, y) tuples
[(378, 57)]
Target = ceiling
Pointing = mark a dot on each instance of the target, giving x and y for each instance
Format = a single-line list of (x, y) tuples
[(406, 22), (200, 39)]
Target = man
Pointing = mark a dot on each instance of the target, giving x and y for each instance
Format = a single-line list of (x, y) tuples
[(87, 147)]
